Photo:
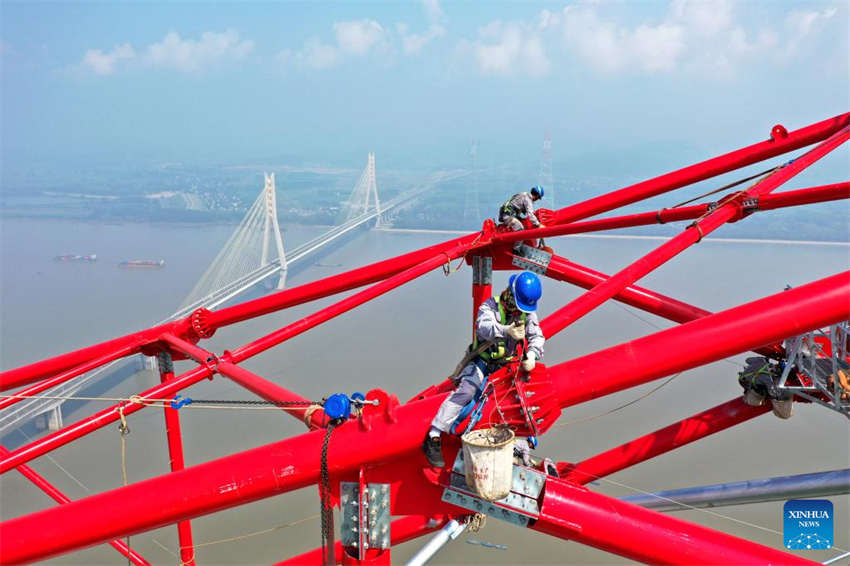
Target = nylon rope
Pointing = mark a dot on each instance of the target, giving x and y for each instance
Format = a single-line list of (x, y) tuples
[(124, 430)]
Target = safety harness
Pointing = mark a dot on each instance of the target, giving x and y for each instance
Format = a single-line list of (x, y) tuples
[(508, 209), (497, 352)]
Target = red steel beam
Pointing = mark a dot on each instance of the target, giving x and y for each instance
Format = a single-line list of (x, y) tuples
[(714, 337), (216, 319), (780, 142), (811, 195), (294, 463), (100, 419), (166, 390), (579, 307), (70, 374), (573, 512), (62, 499), (654, 303), (402, 530), (177, 462), (563, 269), (240, 478), (663, 440), (310, 321), (272, 392)]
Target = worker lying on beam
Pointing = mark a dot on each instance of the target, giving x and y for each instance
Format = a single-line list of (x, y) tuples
[(503, 323), (519, 208)]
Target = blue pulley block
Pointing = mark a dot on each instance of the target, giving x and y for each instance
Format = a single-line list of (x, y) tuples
[(357, 396), (338, 406)]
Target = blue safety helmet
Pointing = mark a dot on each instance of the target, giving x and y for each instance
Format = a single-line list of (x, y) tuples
[(526, 289), (537, 191)]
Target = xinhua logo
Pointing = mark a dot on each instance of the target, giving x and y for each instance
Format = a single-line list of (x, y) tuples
[(807, 524)]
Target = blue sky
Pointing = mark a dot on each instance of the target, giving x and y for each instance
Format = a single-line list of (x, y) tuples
[(417, 82)]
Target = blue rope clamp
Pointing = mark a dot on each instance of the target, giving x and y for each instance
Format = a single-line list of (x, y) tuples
[(179, 402)]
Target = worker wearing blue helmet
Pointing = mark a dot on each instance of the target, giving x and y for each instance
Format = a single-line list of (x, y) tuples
[(518, 208), (501, 324)]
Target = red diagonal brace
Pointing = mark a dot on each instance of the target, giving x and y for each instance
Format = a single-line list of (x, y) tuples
[(574, 310), (573, 512), (62, 499), (663, 440)]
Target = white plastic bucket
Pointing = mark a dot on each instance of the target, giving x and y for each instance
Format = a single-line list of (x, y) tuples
[(488, 461)]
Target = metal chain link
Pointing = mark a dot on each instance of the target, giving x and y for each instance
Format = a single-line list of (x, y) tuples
[(327, 535)]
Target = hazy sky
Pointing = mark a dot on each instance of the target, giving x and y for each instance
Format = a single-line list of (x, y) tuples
[(329, 81)]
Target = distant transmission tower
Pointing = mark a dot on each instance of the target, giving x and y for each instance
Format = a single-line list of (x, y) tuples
[(471, 213), (545, 179)]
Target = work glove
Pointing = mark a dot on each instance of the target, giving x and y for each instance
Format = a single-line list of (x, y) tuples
[(516, 331), (529, 362)]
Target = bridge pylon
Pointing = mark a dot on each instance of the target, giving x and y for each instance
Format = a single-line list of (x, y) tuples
[(365, 195), (272, 229)]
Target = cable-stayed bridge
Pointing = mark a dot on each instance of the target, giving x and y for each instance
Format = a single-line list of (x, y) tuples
[(254, 253)]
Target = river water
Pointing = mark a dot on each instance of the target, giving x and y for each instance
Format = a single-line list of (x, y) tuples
[(401, 342)]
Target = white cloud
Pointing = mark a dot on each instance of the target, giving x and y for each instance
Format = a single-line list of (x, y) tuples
[(193, 55), (104, 63), (433, 11), (610, 47), (358, 36), (353, 38), (698, 36), (509, 48), (413, 42)]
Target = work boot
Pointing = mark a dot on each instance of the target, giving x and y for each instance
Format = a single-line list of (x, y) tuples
[(433, 449), (752, 398)]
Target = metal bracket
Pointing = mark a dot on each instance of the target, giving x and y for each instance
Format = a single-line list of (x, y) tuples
[(532, 259), (482, 270), (518, 507), (365, 516)]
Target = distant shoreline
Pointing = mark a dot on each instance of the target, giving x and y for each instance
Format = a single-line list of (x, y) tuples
[(636, 237)]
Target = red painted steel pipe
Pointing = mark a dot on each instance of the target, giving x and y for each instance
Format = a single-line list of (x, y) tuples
[(188, 349), (251, 309), (563, 269), (714, 337), (294, 463), (332, 285), (68, 375), (61, 498), (573, 512), (271, 392), (402, 530), (811, 195), (212, 486), (177, 462), (37, 371), (98, 420), (704, 170), (61, 437), (664, 440), (336, 309), (579, 307)]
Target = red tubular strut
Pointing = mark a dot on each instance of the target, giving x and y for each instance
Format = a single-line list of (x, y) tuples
[(702, 341), (62, 499), (575, 513), (811, 195), (574, 310), (216, 319), (663, 440), (654, 303), (175, 454), (294, 463), (70, 374), (704, 170)]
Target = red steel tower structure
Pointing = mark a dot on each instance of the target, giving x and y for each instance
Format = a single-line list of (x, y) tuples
[(391, 477)]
